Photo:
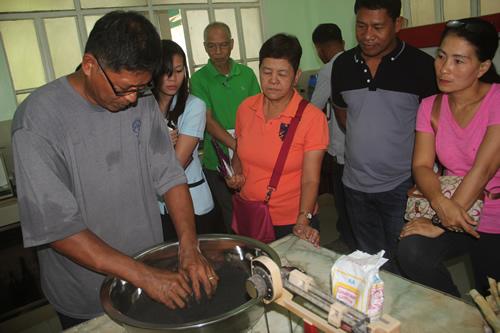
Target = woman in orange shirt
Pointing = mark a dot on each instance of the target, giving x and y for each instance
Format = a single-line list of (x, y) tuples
[(261, 125)]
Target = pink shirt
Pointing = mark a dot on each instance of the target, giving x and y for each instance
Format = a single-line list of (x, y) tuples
[(457, 147)]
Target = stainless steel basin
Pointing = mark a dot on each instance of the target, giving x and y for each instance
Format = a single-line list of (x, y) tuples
[(127, 305)]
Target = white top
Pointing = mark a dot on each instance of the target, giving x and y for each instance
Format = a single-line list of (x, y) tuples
[(192, 122)]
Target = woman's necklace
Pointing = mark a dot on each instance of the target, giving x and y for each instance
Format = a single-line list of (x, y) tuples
[(463, 118), (474, 106)]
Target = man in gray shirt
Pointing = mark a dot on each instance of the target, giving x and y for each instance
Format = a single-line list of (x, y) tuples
[(90, 158), (376, 89), (327, 39)]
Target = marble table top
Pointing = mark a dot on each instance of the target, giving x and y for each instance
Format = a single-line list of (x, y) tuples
[(418, 308)]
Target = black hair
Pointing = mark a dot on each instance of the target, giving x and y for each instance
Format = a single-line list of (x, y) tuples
[(170, 48), (282, 46), (326, 33), (216, 25), (484, 37), (125, 41), (393, 7)]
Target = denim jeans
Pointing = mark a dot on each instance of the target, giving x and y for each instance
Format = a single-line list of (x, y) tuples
[(377, 219), (421, 259)]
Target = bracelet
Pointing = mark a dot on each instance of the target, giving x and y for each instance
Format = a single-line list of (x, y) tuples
[(439, 206)]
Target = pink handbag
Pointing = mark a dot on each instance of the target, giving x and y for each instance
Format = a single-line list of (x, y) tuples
[(252, 218)]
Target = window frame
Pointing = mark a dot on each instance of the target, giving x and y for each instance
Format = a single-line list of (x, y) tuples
[(150, 10), (475, 10)]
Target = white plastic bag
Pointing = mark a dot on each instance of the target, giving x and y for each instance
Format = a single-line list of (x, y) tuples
[(356, 282)]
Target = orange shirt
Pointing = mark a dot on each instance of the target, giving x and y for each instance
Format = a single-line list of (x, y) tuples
[(259, 144)]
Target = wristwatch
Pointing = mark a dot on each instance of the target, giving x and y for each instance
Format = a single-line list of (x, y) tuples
[(435, 220), (307, 214)]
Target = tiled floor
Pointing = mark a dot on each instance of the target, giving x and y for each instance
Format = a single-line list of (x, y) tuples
[(44, 319)]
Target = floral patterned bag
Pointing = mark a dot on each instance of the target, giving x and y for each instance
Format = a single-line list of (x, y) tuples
[(418, 206)]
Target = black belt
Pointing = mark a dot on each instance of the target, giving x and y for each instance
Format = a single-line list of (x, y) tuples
[(198, 183)]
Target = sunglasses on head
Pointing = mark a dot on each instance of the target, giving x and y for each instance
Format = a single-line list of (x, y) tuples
[(470, 27)]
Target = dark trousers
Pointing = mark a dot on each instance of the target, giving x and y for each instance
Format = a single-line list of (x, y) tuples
[(326, 175), (421, 259), (377, 220), (343, 223), (68, 322), (205, 224), (222, 195), (283, 230)]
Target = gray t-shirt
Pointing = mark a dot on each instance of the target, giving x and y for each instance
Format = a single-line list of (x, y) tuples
[(381, 113), (80, 166)]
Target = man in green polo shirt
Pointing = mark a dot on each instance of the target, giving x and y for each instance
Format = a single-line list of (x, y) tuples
[(223, 84)]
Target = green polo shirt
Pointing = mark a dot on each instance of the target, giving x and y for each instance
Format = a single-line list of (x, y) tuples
[(222, 94)]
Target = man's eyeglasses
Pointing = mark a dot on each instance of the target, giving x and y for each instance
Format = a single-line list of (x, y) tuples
[(222, 46), (467, 26), (140, 92)]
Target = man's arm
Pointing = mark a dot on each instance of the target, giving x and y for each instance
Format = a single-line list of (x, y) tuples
[(193, 265), (341, 115), (88, 250), (166, 287), (216, 129), (200, 90), (220, 134), (323, 88)]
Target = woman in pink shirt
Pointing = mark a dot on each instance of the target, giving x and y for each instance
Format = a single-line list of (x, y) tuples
[(467, 144)]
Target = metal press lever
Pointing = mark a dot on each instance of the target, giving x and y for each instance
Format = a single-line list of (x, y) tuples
[(271, 284)]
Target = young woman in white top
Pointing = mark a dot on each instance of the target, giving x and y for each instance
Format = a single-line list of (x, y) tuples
[(185, 115)]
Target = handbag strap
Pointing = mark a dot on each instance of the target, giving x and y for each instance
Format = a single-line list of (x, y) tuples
[(493, 196), (285, 148), (436, 110)]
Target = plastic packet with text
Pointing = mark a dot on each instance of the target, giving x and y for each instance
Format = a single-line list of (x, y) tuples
[(356, 282)]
